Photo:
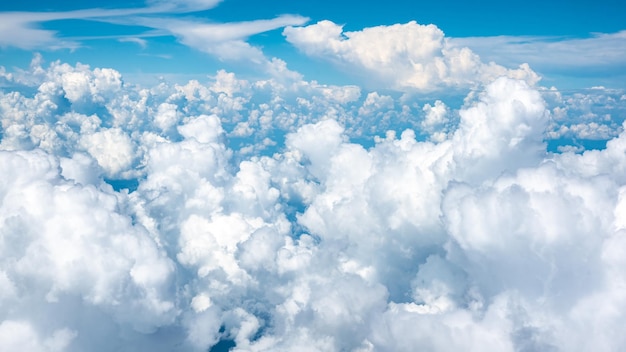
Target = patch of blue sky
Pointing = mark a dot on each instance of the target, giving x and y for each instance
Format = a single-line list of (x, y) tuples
[(123, 184), (455, 18), (576, 145), (51, 5)]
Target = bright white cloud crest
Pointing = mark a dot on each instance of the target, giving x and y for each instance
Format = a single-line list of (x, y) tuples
[(404, 56), (463, 234)]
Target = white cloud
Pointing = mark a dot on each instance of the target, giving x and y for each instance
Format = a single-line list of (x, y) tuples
[(111, 148), (183, 5), (401, 56), (599, 52), (595, 114), (476, 238), (141, 42), (19, 30), (20, 336), (77, 245), (225, 32), (591, 130), (435, 120), (227, 40)]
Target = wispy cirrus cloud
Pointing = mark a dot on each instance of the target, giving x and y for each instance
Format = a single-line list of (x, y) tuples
[(601, 52), (23, 29), (139, 41), (183, 5), (227, 41)]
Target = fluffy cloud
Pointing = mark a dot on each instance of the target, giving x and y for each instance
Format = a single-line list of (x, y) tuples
[(76, 246), (589, 114), (402, 56), (243, 213)]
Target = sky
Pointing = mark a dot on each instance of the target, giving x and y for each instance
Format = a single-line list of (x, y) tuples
[(149, 38), (205, 175)]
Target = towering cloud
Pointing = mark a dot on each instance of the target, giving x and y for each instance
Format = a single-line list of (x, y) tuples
[(402, 56)]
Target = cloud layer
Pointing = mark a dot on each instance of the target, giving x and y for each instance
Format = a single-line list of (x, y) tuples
[(177, 216)]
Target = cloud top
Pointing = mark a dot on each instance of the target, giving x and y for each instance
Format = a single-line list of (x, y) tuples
[(403, 56), (244, 212)]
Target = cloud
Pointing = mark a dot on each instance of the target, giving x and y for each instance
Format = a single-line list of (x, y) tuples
[(401, 56), (141, 42), (591, 130), (601, 52), (435, 120), (589, 114), (183, 5), (231, 31), (232, 211), (18, 335), (19, 30), (226, 41)]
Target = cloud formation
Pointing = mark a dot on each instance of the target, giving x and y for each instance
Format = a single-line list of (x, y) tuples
[(176, 217), (402, 56), (226, 41), (599, 52)]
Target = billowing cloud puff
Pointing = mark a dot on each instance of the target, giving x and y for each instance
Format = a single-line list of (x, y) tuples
[(243, 214), (402, 56), (64, 243)]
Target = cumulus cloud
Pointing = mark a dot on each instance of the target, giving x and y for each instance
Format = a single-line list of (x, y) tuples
[(403, 56), (589, 114), (159, 218)]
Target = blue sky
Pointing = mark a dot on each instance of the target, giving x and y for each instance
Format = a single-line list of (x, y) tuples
[(116, 39)]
